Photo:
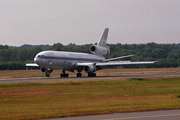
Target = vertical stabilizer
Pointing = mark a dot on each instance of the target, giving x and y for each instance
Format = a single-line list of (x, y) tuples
[(102, 41), (101, 49)]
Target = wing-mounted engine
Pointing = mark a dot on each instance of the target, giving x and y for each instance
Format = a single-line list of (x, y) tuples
[(98, 50), (89, 68), (46, 71)]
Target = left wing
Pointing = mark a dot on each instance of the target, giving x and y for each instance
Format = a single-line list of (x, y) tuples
[(116, 63), (32, 65)]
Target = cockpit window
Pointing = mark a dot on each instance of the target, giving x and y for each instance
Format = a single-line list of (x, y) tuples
[(41, 56)]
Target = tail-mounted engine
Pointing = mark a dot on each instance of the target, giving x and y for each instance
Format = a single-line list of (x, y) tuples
[(46, 71), (89, 68), (98, 50)]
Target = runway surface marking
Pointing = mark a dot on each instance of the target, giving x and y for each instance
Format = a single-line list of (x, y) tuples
[(141, 117)]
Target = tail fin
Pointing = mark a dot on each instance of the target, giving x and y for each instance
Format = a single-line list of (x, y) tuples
[(101, 49), (103, 39)]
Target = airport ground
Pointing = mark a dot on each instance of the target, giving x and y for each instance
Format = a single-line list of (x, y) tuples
[(54, 99), (9, 74)]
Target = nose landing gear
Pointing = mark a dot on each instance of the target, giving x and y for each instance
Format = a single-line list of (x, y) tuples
[(47, 75)]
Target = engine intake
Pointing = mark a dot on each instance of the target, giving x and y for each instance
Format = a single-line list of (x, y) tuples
[(89, 68), (98, 50)]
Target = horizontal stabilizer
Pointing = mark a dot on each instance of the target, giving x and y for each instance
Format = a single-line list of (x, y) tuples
[(106, 60)]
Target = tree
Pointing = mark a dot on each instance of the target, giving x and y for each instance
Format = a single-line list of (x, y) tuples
[(57, 47)]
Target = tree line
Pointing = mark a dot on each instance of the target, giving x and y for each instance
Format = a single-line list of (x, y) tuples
[(167, 55)]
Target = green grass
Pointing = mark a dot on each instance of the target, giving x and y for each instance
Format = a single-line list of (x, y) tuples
[(49, 100)]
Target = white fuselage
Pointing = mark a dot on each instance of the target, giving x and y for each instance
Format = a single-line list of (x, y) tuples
[(64, 60)]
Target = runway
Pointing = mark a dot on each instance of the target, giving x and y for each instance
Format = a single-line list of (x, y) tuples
[(148, 115), (44, 79)]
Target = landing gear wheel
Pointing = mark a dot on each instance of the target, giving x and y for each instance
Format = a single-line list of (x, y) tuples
[(91, 74), (47, 75), (64, 74), (67, 75), (94, 74), (79, 75)]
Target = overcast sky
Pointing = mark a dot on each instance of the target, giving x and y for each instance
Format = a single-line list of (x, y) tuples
[(83, 21)]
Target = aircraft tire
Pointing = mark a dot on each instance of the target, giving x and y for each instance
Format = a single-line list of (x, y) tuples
[(67, 75), (91, 74), (47, 75), (94, 74), (79, 75), (64, 75)]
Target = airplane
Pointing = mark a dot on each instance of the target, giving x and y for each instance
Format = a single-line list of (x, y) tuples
[(71, 61)]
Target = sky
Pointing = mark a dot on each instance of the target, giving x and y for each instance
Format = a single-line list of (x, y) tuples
[(83, 21)]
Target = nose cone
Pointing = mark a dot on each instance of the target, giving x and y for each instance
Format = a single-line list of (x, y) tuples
[(37, 60)]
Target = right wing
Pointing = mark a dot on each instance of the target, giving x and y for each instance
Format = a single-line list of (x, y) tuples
[(116, 63)]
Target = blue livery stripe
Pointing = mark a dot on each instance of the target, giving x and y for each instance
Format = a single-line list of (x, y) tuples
[(70, 58)]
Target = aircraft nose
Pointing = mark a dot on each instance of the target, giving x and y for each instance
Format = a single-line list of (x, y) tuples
[(35, 60)]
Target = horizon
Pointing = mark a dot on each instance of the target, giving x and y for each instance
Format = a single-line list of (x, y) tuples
[(88, 44)]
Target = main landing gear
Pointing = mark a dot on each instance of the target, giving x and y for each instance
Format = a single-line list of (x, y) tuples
[(64, 74), (91, 74), (79, 74)]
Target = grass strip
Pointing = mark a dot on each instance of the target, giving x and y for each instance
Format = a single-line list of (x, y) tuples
[(62, 99)]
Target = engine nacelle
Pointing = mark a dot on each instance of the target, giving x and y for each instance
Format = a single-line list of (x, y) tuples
[(89, 68), (45, 71), (98, 50)]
